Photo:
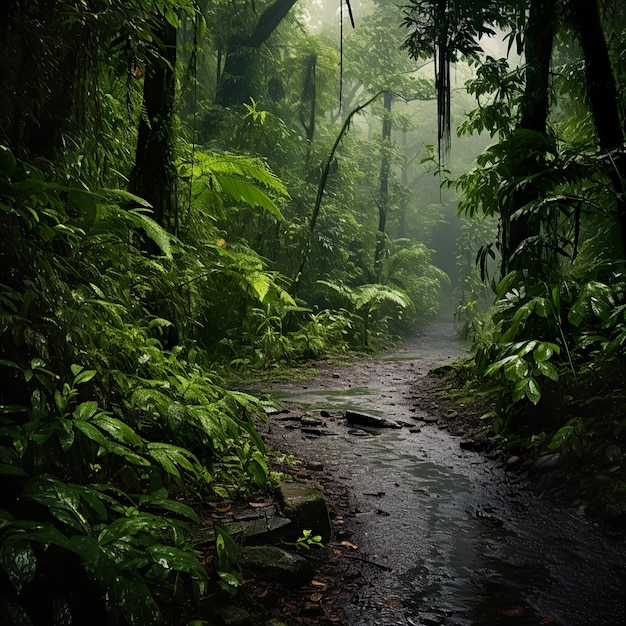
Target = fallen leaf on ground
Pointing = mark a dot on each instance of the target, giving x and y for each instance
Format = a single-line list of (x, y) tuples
[(547, 620), (258, 505), (315, 597), (223, 509), (319, 583), (347, 544)]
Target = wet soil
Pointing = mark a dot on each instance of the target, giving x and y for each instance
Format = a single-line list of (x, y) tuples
[(426, 531)]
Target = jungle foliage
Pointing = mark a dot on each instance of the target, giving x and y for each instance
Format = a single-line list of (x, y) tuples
[(156, 206), (195, 191), (551, 191)]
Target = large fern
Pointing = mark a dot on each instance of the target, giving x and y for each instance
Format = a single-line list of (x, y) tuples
[(239, 178)]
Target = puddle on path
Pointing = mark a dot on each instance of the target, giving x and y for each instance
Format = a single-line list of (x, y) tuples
[(462, 542)]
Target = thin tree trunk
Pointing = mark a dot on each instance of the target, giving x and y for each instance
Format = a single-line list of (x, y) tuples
[(383, 194), (534, 114), (320, 193), (404, 200), (309, 97), (154, 176), (603, 97)]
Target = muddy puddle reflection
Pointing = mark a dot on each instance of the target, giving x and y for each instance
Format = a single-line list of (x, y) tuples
[(450, 538)]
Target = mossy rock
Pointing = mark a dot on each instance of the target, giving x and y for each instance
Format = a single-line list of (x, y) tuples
[(306, 508), (286, 566)]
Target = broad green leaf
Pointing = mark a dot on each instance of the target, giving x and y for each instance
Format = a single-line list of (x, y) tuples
[(543, 352), (533, 392), (108, 445), (92, 432), (226, 549), (547, 369), (129, 527), (86, 410), (515, 369), (38, 406), (254, 435), (576, 314), (84, 376), (8, 363), (231, 581), (131, 597), (543, 307), (258, 468), (172, 457), (171, 17), (520, 389), (125, 555), (173, 506), (12, 470), (127, 197), (65, 433), (88, 549), (518, 319), (563, 435), (118, 429), (522, 348), (62, 500), (176, 559), (18, 560)]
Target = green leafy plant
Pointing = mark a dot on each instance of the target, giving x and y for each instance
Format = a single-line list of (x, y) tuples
[(226, 553), (308, 540), (367, 303), (103, 431)]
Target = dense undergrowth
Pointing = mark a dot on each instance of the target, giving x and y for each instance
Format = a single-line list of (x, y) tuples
[(115, 425), (550, 361), (262, 233)]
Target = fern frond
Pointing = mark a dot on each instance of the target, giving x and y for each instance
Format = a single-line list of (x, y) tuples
[(243, 178)]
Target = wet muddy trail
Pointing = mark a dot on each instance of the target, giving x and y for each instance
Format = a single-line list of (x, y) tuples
[(440, 535)]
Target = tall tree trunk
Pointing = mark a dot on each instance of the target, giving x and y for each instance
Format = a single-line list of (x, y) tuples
[(404, 202), (39, 79), (309, 97), (603, 97), (534, 114), (154, 176), (383, 194), (235, 84)]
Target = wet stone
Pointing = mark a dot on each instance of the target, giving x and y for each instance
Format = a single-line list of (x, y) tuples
[(309, 420), (545, 463), (356, 418), (287, 566), (306, 507)]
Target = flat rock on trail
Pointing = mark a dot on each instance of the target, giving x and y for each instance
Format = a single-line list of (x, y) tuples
[(425, 532)]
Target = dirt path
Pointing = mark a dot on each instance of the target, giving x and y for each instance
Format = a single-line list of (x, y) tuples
[(424, 531)]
